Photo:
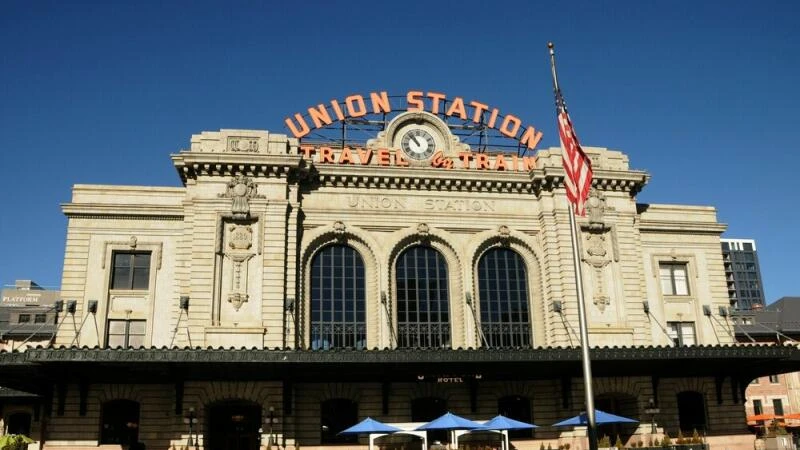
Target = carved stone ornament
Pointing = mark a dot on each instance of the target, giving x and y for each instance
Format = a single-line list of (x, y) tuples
[(236, 299), (423, 229), (241, 237), (132, 242), (240, 190), (596, 208), (601, 301), (339, 227), (504, 231), (242, 144), (597, 257)]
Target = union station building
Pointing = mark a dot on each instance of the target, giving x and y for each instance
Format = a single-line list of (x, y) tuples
[(287, 290)]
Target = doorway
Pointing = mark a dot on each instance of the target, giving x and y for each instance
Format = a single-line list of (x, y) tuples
[(233, 425)]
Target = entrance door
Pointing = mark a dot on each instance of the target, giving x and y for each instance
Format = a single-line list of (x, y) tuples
[(234, 426)]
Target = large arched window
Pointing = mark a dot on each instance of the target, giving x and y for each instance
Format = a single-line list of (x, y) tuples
[(120, 422), (503, 290), (338, 299), (691, 411), (336, 415), (423, 310)]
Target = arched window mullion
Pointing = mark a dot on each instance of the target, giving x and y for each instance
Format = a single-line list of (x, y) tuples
[(423, 309), (332, 326), (502, 285)]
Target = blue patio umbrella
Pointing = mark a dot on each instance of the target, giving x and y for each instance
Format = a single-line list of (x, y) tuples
[(370, 426), (600, 417), (502, 422), (450, 421)]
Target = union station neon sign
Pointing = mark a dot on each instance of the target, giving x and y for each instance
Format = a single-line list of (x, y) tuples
[(357, 105)]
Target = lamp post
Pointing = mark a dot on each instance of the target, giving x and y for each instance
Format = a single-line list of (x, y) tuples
[(190, 418), (271, 420), (652, 410)]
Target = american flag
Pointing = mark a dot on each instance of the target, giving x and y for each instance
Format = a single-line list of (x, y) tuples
[(577, 165)]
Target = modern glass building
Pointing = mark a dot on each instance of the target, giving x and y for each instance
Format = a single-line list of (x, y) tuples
[(742, 273)]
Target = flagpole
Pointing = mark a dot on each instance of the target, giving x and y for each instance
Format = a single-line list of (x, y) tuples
[(576, 262)]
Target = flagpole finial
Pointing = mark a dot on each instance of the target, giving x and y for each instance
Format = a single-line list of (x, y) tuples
[(550, 45)]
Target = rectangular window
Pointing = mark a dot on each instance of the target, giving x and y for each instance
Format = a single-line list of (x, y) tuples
[(130, 270), (758, 408), (773, 379), (126, 333), (777, 406), (24, 318), (40, 318), (674, 278), (681, 333), (755, 381)]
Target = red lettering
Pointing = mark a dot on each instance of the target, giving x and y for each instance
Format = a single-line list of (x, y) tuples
[(457, 107), (531, 137), (364, 156), (399, 160), (302, 131), (529, 162), (435, 99), (477, 116), (415, 98), (380, 102), (383, 157), (325, 155), (355, 106), (337, 109), (512, 132), (346, 157), (465, 157), (319, 116), (500, 162), (308, 150), (492, 118), (481, 161)]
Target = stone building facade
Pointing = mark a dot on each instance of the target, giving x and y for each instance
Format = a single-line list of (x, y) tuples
[(286, 290)]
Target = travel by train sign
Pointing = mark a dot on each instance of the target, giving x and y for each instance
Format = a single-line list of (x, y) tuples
[(426, 140)]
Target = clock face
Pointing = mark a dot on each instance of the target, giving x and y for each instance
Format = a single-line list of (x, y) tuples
[(418, 144)]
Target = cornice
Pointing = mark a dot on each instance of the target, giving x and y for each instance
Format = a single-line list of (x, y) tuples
[(190, 165), (122, 211), (470, 180), (631, 181), (682, 227), (424, 179)]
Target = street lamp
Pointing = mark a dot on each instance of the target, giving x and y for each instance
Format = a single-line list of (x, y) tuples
[(652, 410), (271, 421), (190, 418)]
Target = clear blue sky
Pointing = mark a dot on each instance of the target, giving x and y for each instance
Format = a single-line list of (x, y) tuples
[(702, 95)]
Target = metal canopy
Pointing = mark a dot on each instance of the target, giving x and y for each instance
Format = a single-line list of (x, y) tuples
[(158, 365)]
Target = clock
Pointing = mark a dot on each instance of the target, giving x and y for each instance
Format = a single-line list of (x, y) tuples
[(418, 144)]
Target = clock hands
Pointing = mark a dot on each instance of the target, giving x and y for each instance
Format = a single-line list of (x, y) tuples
[(417, 145)]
